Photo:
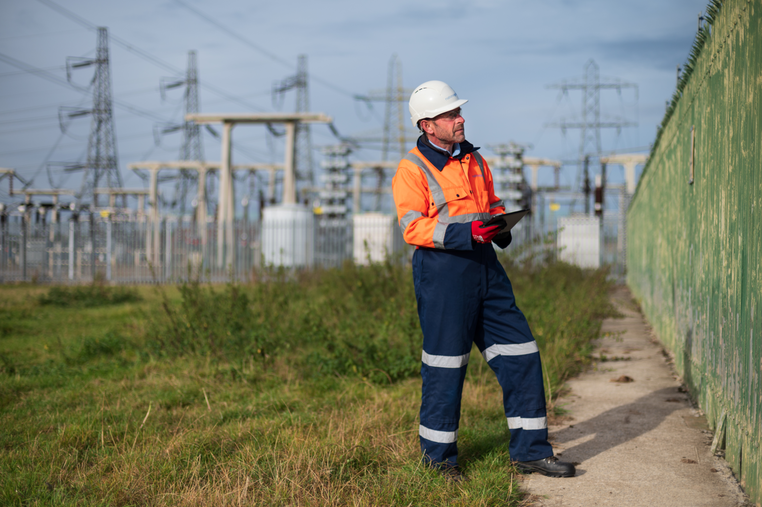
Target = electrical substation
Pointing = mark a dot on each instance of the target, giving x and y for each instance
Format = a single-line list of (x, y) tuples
[(319, 206)]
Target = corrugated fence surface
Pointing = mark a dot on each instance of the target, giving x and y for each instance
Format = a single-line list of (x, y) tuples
[(694, 250)]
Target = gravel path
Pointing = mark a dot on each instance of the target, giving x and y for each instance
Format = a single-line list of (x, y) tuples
[(633, 431)]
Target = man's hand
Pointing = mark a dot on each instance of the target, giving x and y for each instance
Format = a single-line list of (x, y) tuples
[(482, 234)]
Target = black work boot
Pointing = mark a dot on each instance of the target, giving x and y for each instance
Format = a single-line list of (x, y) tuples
[(452, 473), (549, 466)]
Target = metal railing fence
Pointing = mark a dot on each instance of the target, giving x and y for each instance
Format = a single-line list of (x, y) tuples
[(125, 249)]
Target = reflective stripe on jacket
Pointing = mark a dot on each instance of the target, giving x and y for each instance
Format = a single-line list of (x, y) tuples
[(429, 201)]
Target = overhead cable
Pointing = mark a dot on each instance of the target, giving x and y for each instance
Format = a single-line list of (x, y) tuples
[(55, 79), (126, 45), (144, 54), (257, 47)]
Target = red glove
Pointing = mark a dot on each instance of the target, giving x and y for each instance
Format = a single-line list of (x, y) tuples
[(482, 234)]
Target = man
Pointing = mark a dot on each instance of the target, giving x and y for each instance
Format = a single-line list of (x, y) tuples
[(444, 193)]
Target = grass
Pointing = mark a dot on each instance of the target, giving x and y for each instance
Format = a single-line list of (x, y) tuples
[(295, 390)]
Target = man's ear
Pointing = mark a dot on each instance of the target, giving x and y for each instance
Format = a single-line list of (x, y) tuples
[(426, 127)]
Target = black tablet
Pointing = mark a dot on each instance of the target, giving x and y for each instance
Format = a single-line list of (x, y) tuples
[(507, 220)]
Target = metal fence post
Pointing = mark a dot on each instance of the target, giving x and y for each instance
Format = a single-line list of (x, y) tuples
[(167, 250), (92, 245), (108, 249), (3, 239), (72, 253), (23, 245)]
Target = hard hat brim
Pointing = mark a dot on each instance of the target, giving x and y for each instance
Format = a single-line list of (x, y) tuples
[(431, 113)]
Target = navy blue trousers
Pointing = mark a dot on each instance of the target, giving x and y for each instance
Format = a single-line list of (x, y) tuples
[(465, 297)]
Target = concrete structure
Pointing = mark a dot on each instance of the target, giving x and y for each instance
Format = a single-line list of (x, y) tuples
[(141, 194), (11, 173), (357, 190), (226, 209), (226, 194), (630, 161), (535, 164), (55, 192)]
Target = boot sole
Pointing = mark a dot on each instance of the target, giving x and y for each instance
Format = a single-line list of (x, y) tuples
[(528, 470)]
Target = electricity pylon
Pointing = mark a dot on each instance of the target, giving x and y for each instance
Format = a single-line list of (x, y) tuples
[(102, 162), (191, 148), (394, 97), (303, 142), (394, 112), (590, 124)]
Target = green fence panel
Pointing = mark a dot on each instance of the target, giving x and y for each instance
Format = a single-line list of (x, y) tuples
[(694, 231)]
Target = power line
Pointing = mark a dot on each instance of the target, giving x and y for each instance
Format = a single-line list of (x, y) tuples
[(39, 72), (55, 79), (36, 35), (26, 120), (236, 36), (144, 54), (272, 56), (590, 123), (82, 21), (157, 61), (8, 74), (27, 109)]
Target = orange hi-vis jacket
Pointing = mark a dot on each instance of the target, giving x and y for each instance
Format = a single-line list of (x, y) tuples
[(429, 200)]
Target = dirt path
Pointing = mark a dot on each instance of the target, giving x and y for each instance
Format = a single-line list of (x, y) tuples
[(638, 442)]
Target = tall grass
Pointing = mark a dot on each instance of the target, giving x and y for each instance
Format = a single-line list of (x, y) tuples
[(358, 321), (294, 390)]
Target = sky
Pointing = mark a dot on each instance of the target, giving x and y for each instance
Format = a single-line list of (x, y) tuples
[(503, 56)]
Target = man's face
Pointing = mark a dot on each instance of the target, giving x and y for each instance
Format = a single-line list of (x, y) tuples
[(448, 127)]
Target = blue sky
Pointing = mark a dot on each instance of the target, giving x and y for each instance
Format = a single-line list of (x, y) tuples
[(501, 55)]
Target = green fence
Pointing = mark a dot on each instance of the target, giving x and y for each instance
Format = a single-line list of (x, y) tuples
[(694, 235)]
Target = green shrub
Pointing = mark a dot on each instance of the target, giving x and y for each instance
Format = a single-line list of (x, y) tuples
[(87, 296), (354, 320), (363, 321)]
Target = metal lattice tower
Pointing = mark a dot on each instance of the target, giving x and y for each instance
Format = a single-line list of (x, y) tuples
[(191, 147), (303, 157), (394, 112), (394, 121), (303, 143), (590, 133), (394, 97), (102, 163), (590, 123)]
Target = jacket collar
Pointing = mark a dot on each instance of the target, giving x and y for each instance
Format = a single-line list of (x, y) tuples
[(437, 157)]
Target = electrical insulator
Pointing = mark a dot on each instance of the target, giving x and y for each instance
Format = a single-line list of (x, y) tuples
[(598, 207)]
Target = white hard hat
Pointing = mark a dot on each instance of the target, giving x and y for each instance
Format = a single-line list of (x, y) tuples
[(432, 98)]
